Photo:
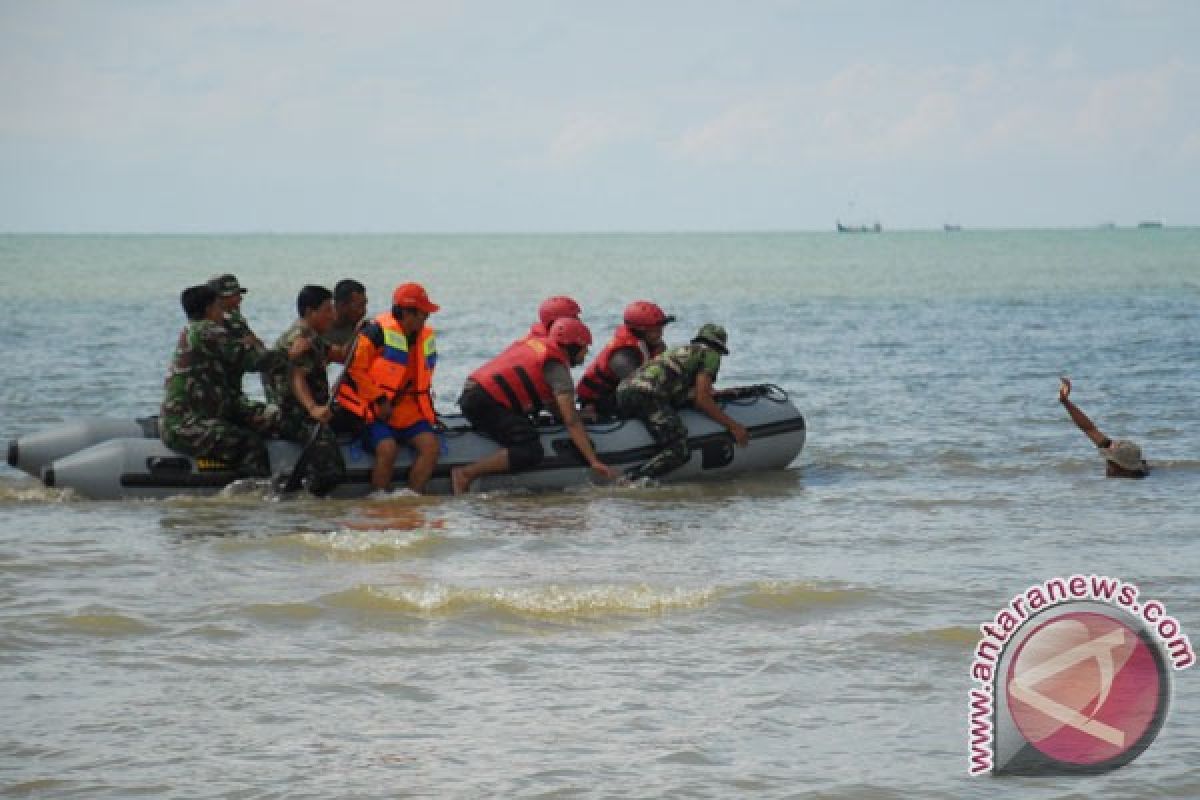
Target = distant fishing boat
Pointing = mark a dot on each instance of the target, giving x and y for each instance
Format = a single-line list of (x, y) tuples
[(876, 228), (951, 228), (1150, 223)]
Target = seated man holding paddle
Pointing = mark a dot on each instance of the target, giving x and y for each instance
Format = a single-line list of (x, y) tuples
[(300, 387)]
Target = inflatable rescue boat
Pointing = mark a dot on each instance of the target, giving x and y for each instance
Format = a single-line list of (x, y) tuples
[(109, 459)]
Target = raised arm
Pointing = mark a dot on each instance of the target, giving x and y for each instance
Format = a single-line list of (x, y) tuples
[(1078, 417)]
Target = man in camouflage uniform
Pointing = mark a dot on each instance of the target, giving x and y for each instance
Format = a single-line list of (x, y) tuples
[(350, 309), (669, 381), (300, 387), (229, 293), (201, 415)]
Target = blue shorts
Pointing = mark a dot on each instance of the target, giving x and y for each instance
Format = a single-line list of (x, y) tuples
[(377, 431)]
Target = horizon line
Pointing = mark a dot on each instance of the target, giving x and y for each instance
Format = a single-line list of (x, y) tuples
[(957, 228)]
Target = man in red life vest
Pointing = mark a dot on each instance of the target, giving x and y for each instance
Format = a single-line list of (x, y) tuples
[(388, 384), (534, 373), (634, 343), (552, 309)]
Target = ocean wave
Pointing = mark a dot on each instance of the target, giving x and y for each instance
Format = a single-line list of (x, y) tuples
[(283, 612), (955, 637), (786, 595), (98, 623), (381, 544), (552, 600), (22, 490)]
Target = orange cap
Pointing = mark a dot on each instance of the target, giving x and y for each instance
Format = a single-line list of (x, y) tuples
[(413, 295)]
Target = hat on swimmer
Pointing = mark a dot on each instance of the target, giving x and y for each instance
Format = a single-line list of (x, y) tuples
[(226, 285), (1125, 454), (413, 295), (714, 336)]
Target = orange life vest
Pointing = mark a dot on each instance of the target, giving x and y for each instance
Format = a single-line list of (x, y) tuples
[(516, 378), (598, 379), (385, 366)]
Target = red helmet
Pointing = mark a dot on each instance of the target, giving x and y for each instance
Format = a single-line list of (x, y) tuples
[(568, 331), (558, 307), (642, 314)]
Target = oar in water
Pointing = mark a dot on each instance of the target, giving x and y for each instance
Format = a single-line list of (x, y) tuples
[(295, 478)]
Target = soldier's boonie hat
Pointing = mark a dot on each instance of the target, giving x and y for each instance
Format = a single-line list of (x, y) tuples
[(413, 295), (714, 336), (226, 285), (1125, 454)]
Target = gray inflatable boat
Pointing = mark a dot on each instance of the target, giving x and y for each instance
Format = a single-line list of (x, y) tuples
[(109, 459)]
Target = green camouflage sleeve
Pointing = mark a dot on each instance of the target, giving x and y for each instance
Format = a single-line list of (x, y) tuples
[(235, 353), (711, 363)]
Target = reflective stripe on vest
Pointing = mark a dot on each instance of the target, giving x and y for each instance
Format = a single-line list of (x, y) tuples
[(516, 378), (405, 381)]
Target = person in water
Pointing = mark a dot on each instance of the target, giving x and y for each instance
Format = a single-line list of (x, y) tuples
[(531, 375), (656, 391), (638, 339), (1122, 458)]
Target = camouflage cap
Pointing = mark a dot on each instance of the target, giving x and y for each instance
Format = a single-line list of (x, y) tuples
[(1125, 454), (712, 335), (226, 285)]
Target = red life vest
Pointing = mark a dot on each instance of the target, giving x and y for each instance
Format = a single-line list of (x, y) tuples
[(598, 379), (385, 366), (516, 378)]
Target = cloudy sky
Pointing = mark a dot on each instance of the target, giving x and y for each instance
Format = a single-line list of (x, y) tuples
[(557, 115)]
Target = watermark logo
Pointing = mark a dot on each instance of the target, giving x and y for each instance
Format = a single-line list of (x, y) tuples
[(1072, 677)]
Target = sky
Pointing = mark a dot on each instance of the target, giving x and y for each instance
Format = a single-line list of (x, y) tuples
[(564, 115)]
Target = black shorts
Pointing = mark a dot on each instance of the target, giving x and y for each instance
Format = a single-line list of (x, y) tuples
[(512, 430)]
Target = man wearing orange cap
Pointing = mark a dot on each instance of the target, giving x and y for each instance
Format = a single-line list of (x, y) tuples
[(388, 382)]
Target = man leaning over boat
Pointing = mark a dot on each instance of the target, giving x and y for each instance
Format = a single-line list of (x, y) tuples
[(659, 388)]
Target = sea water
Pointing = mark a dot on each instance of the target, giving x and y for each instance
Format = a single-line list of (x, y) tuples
[(803, 633)]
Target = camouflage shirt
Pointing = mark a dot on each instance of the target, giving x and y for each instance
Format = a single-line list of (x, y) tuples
[(277, 380), (671, 374), (198, 381), (236, 324), (238, 328)]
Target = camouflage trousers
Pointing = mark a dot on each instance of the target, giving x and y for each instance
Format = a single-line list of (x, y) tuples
[(665, 427), (239, 445), (325, 468)]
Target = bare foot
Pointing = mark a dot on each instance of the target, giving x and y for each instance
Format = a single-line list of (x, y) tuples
[(458, 481)]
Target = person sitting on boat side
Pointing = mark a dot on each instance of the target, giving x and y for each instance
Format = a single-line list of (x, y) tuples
[(638, 339), (666, 383), (230, 294), (1122, 458), (202, 415), (388, 384), (551, 310), (300, 387), (532, 374), (350, 309)]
